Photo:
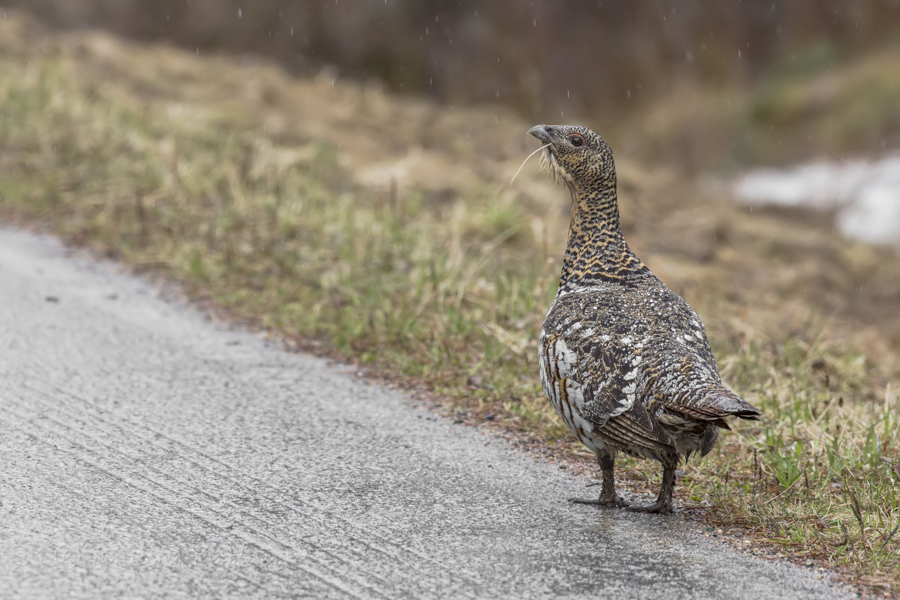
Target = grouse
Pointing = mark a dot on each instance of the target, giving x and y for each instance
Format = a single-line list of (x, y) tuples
[(623, 359)]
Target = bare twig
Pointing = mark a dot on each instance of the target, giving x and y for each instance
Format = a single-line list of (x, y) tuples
[(857, 511), (885, 543), (846, 539), (526, 160)]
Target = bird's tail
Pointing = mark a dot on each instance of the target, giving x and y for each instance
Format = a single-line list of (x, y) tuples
[(719, 403)]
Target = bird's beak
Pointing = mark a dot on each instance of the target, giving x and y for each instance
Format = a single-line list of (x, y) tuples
[(541, 133)]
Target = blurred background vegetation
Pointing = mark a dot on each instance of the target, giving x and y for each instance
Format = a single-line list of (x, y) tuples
[(701, 83)]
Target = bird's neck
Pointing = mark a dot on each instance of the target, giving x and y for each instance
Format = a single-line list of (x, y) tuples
[(596, 252)]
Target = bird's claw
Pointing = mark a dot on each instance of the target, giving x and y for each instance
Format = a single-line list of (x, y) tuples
[(614, 502), (661, 508)]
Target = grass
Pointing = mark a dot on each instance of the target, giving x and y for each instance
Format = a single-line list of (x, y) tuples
[(449, 289), (820, 477)]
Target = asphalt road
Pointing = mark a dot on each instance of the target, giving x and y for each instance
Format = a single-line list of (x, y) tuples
[(145, 452)]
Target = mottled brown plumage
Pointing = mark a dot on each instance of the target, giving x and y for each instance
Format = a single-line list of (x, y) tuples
[(623, 359)]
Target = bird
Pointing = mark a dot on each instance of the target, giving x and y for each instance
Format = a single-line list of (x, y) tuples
[(624, 360)]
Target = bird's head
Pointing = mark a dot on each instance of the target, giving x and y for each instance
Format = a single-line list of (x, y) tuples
[(576, 155)]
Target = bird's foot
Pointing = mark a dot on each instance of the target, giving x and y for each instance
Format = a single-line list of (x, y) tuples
[(659, 507), (613, 502)]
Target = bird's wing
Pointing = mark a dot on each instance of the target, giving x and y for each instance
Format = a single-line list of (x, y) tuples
[(684, 374), (613, 405), (604, 392), (591, 377)]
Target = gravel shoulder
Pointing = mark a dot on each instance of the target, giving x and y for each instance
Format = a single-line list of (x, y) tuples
[(149, 452)]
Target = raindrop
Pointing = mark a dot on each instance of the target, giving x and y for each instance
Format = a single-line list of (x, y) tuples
[(568, 94), (562, 114), (535, 22), (498, 59), (240, 14), (332, 83), (198, 51), (430, 81), (498, 93), (739, 53), (628, 92), (292, 31), (426, 31)]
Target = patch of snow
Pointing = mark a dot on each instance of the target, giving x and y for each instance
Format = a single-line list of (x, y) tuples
[(865, 196)]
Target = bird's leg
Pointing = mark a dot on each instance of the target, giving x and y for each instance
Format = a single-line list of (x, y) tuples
[(608, 496), (663, 504)]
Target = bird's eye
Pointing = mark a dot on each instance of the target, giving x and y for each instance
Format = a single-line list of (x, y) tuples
[(576, 139)]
